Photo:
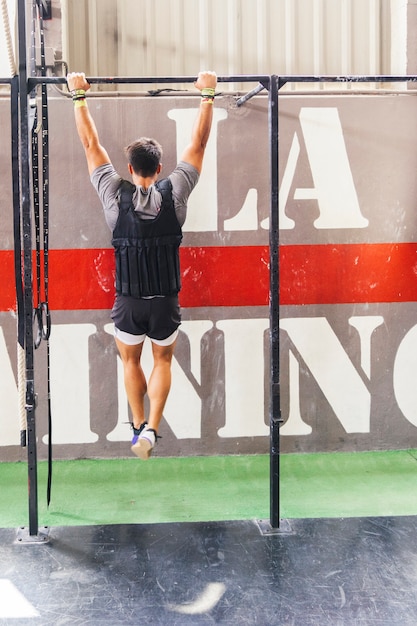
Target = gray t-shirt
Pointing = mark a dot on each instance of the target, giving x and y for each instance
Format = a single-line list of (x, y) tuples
[(106, 182)]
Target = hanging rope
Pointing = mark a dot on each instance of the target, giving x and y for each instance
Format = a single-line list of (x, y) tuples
[(9, 41)]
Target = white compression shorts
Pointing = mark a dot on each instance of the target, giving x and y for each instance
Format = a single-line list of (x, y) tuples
[(135, 340)]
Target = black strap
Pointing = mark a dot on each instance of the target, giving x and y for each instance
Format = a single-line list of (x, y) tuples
[(125, 193), (42, 315)]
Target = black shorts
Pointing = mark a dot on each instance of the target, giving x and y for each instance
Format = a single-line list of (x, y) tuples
[(155, 317)]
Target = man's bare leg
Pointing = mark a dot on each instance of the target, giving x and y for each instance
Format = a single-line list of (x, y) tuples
[(158, 389), (159, 382), (134, 379)]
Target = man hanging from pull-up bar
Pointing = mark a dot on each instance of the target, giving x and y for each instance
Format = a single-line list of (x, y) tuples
[(145, 219)]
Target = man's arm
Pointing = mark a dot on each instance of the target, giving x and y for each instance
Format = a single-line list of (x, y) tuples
[(95, 153), (194, 152)]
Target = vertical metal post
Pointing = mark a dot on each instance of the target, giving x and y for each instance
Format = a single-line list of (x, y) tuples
[(274, 406), (27, 270), (14, 115)]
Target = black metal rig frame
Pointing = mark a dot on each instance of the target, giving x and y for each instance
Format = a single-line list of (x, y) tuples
[(21, 86)]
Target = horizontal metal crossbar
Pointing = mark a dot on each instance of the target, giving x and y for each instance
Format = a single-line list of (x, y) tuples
[(54, 80), (263, 79), (346, 79)]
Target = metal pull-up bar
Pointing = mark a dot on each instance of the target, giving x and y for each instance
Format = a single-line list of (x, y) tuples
[(264, 80), (120, 80)]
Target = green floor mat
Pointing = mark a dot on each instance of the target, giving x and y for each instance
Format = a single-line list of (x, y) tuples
[(357, 484), (128, 491)]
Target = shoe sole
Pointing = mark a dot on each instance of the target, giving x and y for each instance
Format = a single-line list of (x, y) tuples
[(143, 449)]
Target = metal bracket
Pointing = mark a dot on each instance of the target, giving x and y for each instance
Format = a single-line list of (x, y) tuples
[(23, 536), (47, 9), (267, 530), (249, 95)]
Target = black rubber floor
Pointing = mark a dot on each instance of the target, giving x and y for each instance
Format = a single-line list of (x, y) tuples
[(356, 571)]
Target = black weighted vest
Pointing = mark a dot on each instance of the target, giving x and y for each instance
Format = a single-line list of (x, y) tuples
[(147, 251)]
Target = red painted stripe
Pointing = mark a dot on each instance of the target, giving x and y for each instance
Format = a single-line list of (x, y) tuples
[(239, 276), (212, 276), (225, 276), (335, 274), (7, 289)]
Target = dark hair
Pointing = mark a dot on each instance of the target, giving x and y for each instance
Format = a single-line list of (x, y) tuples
[(144, 155)]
